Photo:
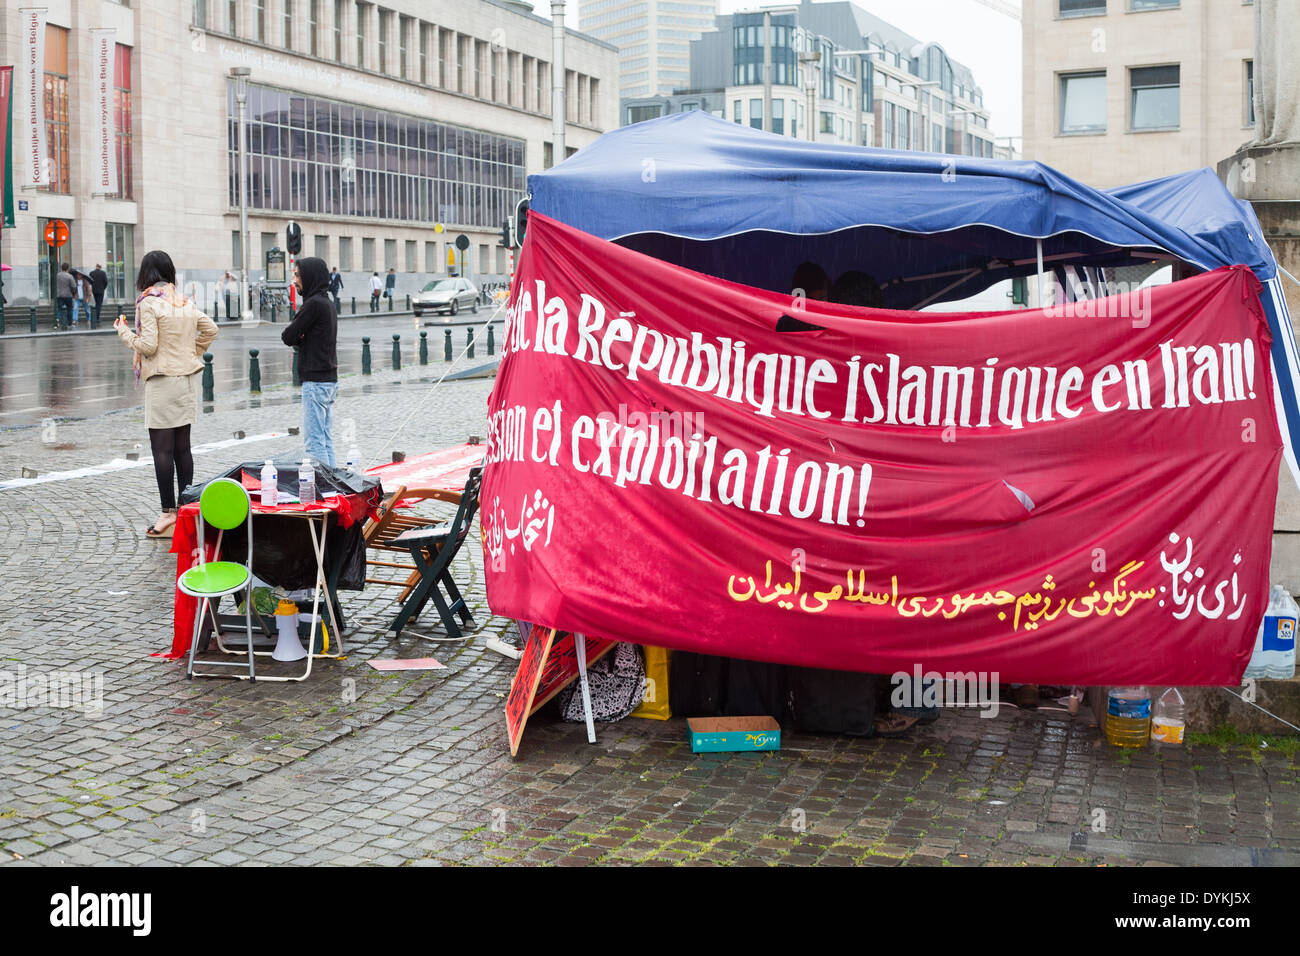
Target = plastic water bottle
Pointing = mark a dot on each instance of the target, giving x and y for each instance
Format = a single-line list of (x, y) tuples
[(306, 483), (1128, 716), (354, 458), (1170, 719), (270, 487), (1274, 655)]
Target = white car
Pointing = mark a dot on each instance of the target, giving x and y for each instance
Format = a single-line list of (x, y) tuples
[(445, 295)]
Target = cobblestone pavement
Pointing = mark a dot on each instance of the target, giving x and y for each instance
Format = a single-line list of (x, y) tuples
[(356, 766)]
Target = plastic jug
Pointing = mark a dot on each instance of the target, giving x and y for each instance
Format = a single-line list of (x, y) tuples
[(1128, 716), (1170, 718), (270, 488), (354, 458), (306, 483), (1274, 655)]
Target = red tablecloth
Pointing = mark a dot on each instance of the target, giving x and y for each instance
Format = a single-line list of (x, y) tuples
[(185, 539), (447, 469)]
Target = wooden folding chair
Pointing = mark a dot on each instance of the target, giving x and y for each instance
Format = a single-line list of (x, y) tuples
[(433, 548), (401, 512)]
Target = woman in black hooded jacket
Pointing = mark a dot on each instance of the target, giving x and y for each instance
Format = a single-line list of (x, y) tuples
[(314, 330)]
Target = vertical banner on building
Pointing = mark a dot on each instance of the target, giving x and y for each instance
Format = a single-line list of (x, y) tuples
[(102, 73), (6, 161), (36, 161)]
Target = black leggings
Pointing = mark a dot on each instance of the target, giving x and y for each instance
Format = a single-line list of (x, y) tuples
[(171, 453)]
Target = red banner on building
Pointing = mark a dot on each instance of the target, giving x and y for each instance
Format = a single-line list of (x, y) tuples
[(1081, 494), (6, 185)]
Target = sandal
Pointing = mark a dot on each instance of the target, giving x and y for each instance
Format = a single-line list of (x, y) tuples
[(166, 531), (894, 725)]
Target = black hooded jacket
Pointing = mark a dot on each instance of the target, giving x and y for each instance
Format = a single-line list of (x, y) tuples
[(315, 328)]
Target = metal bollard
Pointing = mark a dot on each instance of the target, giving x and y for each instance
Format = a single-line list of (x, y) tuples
[(491, 343), (229, 316), (446, 346), (469, 340), (207, 377), (297, 377), (273, 313), (424, 348), (397, 352), (408, 302), (33, 318), (365, 355), (390, 303), (354, 305), (254, 372)]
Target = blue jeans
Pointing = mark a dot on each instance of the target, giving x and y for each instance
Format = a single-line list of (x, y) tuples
[(78, 306), (318, 420)]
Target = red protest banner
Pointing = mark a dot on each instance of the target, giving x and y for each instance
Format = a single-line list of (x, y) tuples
[(1081, 495), (6, 172)]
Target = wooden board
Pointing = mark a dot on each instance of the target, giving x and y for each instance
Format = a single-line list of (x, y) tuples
[(519, 702)]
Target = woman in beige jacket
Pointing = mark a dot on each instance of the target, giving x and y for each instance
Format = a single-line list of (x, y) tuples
[(170, 336)]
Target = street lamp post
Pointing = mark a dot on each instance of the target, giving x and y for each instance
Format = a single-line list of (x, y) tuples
[(557, 79), (807, 61), (240, 75)]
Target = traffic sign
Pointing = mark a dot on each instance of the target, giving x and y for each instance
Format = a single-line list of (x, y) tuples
[(438, 227), (462, 242), (56, 233), (451, 258)]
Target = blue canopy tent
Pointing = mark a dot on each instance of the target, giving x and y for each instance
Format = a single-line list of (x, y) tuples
[(748, 206)]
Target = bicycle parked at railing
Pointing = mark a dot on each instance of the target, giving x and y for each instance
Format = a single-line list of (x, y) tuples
[(270, 298)]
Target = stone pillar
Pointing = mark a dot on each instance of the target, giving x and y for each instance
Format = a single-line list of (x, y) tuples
[(1266, 173)]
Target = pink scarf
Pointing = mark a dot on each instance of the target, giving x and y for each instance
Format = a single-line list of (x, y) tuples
[(159, 290)]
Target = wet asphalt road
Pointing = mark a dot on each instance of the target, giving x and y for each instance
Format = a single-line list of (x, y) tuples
[(83, 374)]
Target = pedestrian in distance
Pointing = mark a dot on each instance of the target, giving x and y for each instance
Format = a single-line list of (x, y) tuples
[(390, 284), (98, 286), (336, 285), (65, 289), (376, 286), (170, 335), (81, 298), (314, 330)]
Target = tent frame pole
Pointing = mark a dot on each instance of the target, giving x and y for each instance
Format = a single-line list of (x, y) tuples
[(1039, 288)]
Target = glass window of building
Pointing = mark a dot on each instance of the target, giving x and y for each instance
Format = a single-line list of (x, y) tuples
[(313, 26), (430, 256), (286, 21), (484, 266), (756, 113), (122, 115), (1250, 92), (368, 254), (1083, 102), (403, 46), (385, 23), (390, 254), (232, 17), (1082, 8), (56, 108), (345, 253), (259, 20), (199, 12), (119, 260), (362, 9), (412, 256), (340, 14), (778, 117), (322, 248), (827, 122), (1154, 99), (501, 260), (736, 111), (1140, 5), (423, 52)]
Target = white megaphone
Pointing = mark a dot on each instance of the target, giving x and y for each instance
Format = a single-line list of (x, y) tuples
[(288, 647)]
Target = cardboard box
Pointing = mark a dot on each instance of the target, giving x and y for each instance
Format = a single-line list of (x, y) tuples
[(717, 734)]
